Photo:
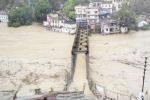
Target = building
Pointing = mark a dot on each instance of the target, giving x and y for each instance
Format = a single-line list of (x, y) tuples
[(58, 23), (92, 17), (96, 11), (96, 4), (80, 11), (106, 7), (69, 27), (109, 26), (3, 17)]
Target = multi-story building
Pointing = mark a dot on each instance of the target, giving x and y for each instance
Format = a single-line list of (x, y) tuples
[(80, 12), (107, 7), (3, 17), (109, 26), (92, 14), (58, 23)]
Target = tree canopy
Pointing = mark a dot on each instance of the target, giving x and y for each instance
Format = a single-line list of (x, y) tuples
[(42, 8), (21, 15), (127, 16), (140, 7), (69, 7)]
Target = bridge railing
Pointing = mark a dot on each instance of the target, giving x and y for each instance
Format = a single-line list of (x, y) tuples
[(104, 94)]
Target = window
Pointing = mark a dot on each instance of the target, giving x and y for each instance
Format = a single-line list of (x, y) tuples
[(106, 29)]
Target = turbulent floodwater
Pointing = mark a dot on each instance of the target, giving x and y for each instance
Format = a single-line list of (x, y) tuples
[(32, 57), (116, 61)]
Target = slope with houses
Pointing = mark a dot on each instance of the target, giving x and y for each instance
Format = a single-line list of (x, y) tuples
[(97, 14)]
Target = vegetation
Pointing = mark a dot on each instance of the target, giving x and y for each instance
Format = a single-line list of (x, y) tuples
[(69, 7), (5, 3), (42, 8), (127, 17), (24, 12), (140, 7), (20, 16), (146, 27)]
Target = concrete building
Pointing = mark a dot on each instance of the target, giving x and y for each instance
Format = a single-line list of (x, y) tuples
[(58, 23), (107, 7), (97, 10), (109, 27), (80, 12), (96, 4), (92, 17), (69, 27), (3, 17)]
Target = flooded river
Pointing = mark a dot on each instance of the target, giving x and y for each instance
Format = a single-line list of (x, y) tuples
[(117, 61), (33, 57)]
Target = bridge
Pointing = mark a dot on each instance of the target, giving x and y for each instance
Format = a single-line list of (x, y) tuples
[(78, 87), (80, 53)]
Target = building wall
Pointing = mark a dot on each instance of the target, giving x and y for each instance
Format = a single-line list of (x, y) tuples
[(4, 18), (80, 12), (59, 25), (93, 15)]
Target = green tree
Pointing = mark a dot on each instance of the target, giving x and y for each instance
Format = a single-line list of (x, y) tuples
[(41, 10), (127, 16), (69, 8), (20, 15), (140, 7)]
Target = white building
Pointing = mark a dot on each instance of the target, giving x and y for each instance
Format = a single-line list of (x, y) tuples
[(57, 23), (109, 27), (92, 14), (80, 12), (69, 27), (96, 4), (3, 17), (107, 7)]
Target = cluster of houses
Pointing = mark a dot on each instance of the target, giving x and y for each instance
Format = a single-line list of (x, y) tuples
[(58, 23), (3, 17), (96, 14)]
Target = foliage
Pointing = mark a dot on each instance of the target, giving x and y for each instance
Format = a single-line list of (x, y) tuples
[(41, 10), (146, 27), (7, 4), (18, 16), (127, 17), (69, 8), (140, 7)]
